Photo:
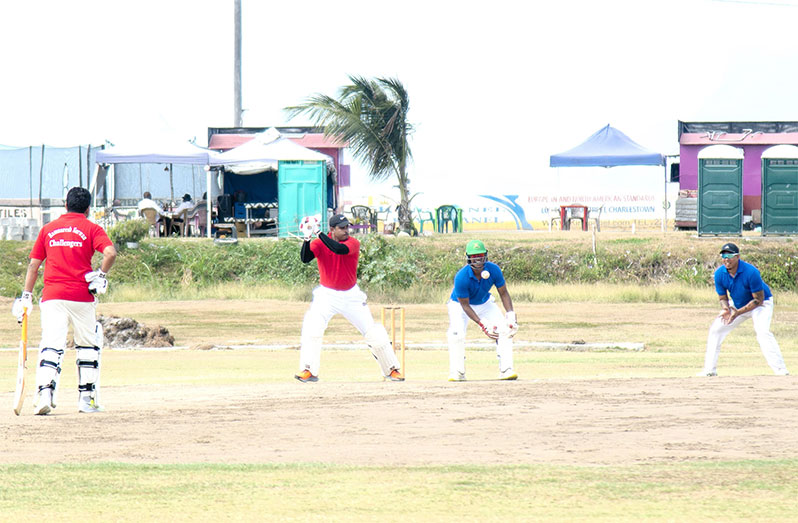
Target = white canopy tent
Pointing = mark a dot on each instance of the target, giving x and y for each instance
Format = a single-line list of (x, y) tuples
[(162, 150), (263, 152), (259, 154)]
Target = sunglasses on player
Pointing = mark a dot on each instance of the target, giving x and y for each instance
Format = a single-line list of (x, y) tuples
[(727, 255)]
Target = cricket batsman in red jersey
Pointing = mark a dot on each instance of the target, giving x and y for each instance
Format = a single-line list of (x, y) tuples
[(70, 286)]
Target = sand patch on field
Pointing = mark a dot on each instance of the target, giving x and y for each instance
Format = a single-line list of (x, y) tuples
[(594, 422)]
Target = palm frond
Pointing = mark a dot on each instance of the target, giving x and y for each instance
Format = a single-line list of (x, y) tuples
[(371, 117)]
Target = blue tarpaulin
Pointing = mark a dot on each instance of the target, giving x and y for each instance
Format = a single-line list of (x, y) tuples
[(608, 147)]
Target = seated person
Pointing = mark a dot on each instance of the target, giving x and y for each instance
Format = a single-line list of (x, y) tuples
[(186, 204), (148, 203)]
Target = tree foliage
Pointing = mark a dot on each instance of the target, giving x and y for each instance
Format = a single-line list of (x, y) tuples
[(370, 115)]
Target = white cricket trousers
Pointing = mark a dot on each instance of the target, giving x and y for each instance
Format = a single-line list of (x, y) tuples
[(56, 316), (761, 316), (490, 315), (351, 304)]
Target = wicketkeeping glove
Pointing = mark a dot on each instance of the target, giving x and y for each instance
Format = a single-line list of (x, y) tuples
[(310, 226), (22, 305), (97, 282), (490, 333), (512, 323)]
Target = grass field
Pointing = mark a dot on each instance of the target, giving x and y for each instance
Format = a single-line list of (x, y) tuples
[(209, 489), (731, 491), (229, 435)]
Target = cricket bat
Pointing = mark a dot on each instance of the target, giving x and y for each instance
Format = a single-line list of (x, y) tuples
[(22, 365)]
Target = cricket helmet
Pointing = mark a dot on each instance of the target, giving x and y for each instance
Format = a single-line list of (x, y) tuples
[(476, 253)]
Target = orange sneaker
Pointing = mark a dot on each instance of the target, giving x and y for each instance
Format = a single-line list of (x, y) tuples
[(305, 376), (395, 375)]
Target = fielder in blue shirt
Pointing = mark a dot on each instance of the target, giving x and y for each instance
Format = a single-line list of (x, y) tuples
[(471, 299), (742, 295)]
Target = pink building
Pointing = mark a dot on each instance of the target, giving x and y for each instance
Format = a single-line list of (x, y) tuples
[(752, 137)]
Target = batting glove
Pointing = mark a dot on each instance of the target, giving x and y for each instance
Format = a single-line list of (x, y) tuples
[(22, 305), (490, 333), (512, 323), (310, 227), (98, 284)]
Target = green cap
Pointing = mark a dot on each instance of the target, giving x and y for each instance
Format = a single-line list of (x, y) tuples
[(475, 247)]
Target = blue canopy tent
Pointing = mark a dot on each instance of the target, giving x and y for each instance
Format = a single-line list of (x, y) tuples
[(609, 147)]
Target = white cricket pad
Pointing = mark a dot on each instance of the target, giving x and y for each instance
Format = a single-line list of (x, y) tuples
[(88, 362), (380, 345), (504, 351), (48, 371), (456, 357), (313, 326)]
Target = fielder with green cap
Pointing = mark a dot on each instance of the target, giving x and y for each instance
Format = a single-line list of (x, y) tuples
[(471, 299)]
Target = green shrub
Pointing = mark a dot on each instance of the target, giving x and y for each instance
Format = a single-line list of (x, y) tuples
[(128, 231), (387, 264), (392, 265)]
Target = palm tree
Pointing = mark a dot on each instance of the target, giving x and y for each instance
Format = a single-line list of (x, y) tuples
[(371, 117)]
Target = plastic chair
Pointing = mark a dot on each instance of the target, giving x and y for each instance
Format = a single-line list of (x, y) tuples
[(576, 214), (426, 216), (151, 215), (198, 218), (183, 223), (388, 219), (554, 218), (447, 214), (363, 219), (595, 217)]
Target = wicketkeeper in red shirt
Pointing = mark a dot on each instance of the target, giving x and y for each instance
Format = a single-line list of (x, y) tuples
[(337, 254), (70, 287)]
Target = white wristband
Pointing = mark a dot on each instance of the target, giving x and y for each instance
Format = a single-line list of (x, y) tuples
[(510, 316)]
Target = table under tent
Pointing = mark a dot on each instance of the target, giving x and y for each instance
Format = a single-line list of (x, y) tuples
[(163, 151), (609, 147)]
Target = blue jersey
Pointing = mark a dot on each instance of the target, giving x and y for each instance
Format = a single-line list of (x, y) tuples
[(741, 287), (472, 286)]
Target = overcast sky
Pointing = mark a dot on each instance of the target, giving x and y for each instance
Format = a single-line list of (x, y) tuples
[(494, 87)]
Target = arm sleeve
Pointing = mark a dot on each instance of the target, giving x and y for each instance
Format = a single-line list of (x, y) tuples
[(305, 254), (101, 239), (38, 252), (498, 276), (460, 289), (334, 246), (719, 288), (755, 281)]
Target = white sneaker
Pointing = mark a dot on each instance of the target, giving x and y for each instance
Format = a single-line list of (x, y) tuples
[(87, 406), (460, 376), (42, 403), (705, 373), (782, 372), (508, 374)]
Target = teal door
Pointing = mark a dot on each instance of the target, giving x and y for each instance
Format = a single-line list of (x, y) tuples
[(720, 196), (301, 191), (779, 196)]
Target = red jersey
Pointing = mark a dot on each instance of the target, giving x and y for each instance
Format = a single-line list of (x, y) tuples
[(67, 244), (337, 271)]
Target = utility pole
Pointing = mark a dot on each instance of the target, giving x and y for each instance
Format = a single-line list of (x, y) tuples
[(237, 67)]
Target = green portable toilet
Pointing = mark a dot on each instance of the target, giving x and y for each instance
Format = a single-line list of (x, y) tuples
[(720, 190), (780, 190), (301, 191)]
